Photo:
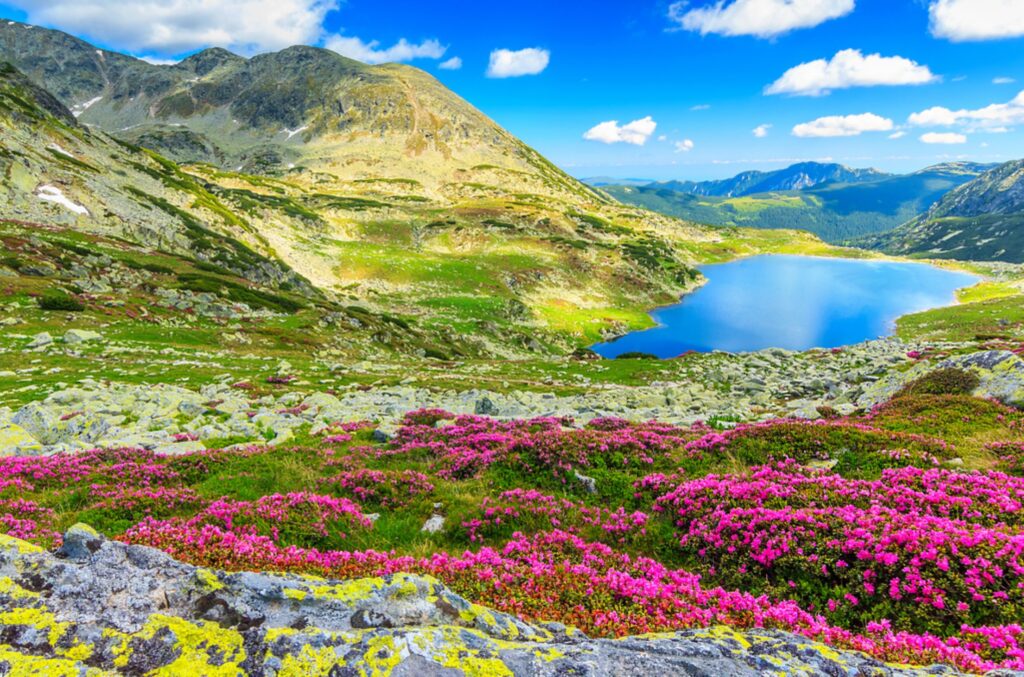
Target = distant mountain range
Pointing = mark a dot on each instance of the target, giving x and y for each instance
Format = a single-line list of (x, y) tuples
[(795, 177), (981, 220), (835, 202)]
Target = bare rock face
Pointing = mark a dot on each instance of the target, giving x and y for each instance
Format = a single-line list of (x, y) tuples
[(102, 607)]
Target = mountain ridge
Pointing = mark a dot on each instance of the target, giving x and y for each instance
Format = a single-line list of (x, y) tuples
[(982, 219), (835, 211)]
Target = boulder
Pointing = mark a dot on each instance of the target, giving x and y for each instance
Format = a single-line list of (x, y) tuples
[(76, 336), (40, 340), (16, 441)]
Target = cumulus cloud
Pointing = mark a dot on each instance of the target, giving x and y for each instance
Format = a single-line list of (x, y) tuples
[(761, 18), (684, 146), (850, 68), (898, 135), (761, 131), (371, 52), (506, 63), (171, 27), (994, 116), (452, 64), (943, 138), (843, 125), (964, 20), (636, 132)]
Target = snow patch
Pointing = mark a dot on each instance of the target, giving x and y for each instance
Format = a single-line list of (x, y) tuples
[(82, 107), (54, 194), (293, 132), (54, 146)]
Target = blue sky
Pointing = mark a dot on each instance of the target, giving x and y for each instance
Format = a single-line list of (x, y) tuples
[(698, 70)]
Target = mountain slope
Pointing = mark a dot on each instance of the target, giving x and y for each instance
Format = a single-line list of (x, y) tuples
[(795, 177), (54, 171), (833, 211), (982, 220)]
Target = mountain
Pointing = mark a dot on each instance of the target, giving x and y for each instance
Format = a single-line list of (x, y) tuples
[(306, 112), (600, 181), (834, 211), (795, 177), (982, 220), (403, 198)]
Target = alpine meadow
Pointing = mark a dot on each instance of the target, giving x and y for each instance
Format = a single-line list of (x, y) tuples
[(355, 338)]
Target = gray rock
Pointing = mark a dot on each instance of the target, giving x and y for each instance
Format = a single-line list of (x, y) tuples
[(40, 340), (76, 336), (434, 524)]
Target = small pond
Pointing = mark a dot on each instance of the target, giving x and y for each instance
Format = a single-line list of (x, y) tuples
[(793, 302)]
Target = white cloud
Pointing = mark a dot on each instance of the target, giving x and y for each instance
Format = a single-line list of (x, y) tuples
[(843, 125), (636, 132), (371, 53), (662, 138), (1003, 81), (761, 131), (763, 18), (849, 68), (506, 63), (171, 27), (452, 64), (945, 138), (701, 106), (996, 115), (684, 146), (898, 135), (156, 61), (963, 20)]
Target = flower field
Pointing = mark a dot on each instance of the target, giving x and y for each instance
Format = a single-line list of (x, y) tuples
[(899, 532)]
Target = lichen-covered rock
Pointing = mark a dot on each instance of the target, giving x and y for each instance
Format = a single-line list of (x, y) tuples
[(102, 607)]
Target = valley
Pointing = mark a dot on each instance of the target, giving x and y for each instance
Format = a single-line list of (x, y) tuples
[(296, 377)]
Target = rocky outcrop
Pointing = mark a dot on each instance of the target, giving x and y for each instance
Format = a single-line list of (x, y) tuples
[(1000, 377), (102, 607)]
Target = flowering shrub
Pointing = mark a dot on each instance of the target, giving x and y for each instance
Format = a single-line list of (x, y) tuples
[(614, 527), (513, 508), (930, 549), (380, 488)]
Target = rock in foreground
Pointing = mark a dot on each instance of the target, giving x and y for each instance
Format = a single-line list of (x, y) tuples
[(100, 607)]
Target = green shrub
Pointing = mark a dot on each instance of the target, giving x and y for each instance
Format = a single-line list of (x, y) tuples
[(636, 355), (947, 381), (58, 300)]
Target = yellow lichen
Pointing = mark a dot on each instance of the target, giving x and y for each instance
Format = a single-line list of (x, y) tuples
[(349, 591), (23, 547), (383, 656), (295, 593), (14, 591), (193, 642), (23, 665), (308, 662), (41, 619), (209, 579)]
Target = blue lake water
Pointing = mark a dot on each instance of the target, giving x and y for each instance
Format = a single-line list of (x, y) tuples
[(793, 302)]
